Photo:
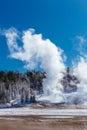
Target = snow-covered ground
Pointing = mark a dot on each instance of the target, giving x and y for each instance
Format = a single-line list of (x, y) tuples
[(49, 111)]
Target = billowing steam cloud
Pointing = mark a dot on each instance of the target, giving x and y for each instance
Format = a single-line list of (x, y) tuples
[(36, 51), (80, 70)]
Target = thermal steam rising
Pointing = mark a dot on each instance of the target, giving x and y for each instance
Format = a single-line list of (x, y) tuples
[(81, 73), (35, 51), (38, 51)]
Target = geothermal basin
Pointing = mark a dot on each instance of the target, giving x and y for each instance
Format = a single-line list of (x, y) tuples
[(44, 117)]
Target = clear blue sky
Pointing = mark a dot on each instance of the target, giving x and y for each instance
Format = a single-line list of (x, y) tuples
[(59, 20)]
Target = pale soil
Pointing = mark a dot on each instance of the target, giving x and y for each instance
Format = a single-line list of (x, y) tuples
[(36, 121), (42, 123)]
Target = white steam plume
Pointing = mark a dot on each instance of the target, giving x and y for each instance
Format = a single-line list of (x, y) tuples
[(38, 51), (80, 70)]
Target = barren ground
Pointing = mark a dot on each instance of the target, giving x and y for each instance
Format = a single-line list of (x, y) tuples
[(44, 122)]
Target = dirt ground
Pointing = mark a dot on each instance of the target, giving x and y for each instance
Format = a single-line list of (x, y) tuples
[(42, 123)]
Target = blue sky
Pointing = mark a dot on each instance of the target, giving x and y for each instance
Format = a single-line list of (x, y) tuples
[(59, 20)]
